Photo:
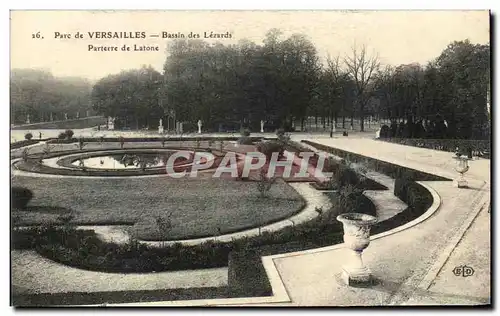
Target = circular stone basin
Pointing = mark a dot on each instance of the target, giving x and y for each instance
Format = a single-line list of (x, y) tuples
[(133, 160), (121, 161)]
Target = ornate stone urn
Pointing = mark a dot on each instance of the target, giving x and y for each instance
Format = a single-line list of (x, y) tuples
[(462, 167), (357, 238)]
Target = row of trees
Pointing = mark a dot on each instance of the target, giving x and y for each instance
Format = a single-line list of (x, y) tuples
[(43, 97), (133, 97), (284, 82), (453, 88)]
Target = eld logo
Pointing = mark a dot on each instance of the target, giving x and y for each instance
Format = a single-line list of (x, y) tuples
[(463, 271)]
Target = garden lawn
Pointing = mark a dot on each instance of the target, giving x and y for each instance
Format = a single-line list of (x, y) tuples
[(199, 207)]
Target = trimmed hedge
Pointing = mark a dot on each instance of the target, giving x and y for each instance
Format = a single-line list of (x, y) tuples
[(117, 297), (23, 143), (418, 199), (270, 147), (245, 132), (156, 139), (343, 175), (83, 249), (356, 202), (20, 197), (411, 193), (62, 140), (245, 140), (247, 275)]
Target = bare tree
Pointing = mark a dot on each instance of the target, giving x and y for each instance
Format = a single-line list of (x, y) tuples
[(337, 77), (385, 84), (362, 68)]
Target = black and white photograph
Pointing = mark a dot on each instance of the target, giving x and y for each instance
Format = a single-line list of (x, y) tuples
[(238, 158)]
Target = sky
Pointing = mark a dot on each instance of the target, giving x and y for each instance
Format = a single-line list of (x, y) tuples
[(398, 37)]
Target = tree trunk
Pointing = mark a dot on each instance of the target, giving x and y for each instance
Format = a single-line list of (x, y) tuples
[(362, 118), (343, 121)]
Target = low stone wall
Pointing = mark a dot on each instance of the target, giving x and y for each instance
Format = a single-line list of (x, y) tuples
[(390, 169)]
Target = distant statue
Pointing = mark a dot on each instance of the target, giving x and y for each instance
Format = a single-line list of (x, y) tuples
[(28, 118), (199, 126), (262, 126), (111, 123), (65, 116), (77, 115), (51, 118), (160, 127)]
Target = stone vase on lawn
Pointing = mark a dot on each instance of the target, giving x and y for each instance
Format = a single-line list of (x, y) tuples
[(356, 238)]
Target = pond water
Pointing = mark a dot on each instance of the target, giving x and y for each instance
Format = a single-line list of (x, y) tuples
[(123, 161)]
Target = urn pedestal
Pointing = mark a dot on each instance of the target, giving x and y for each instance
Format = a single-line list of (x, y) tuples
[(462, 167), (356, 238)]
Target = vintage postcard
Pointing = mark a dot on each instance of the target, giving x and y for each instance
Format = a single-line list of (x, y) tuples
[(250, 158)]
